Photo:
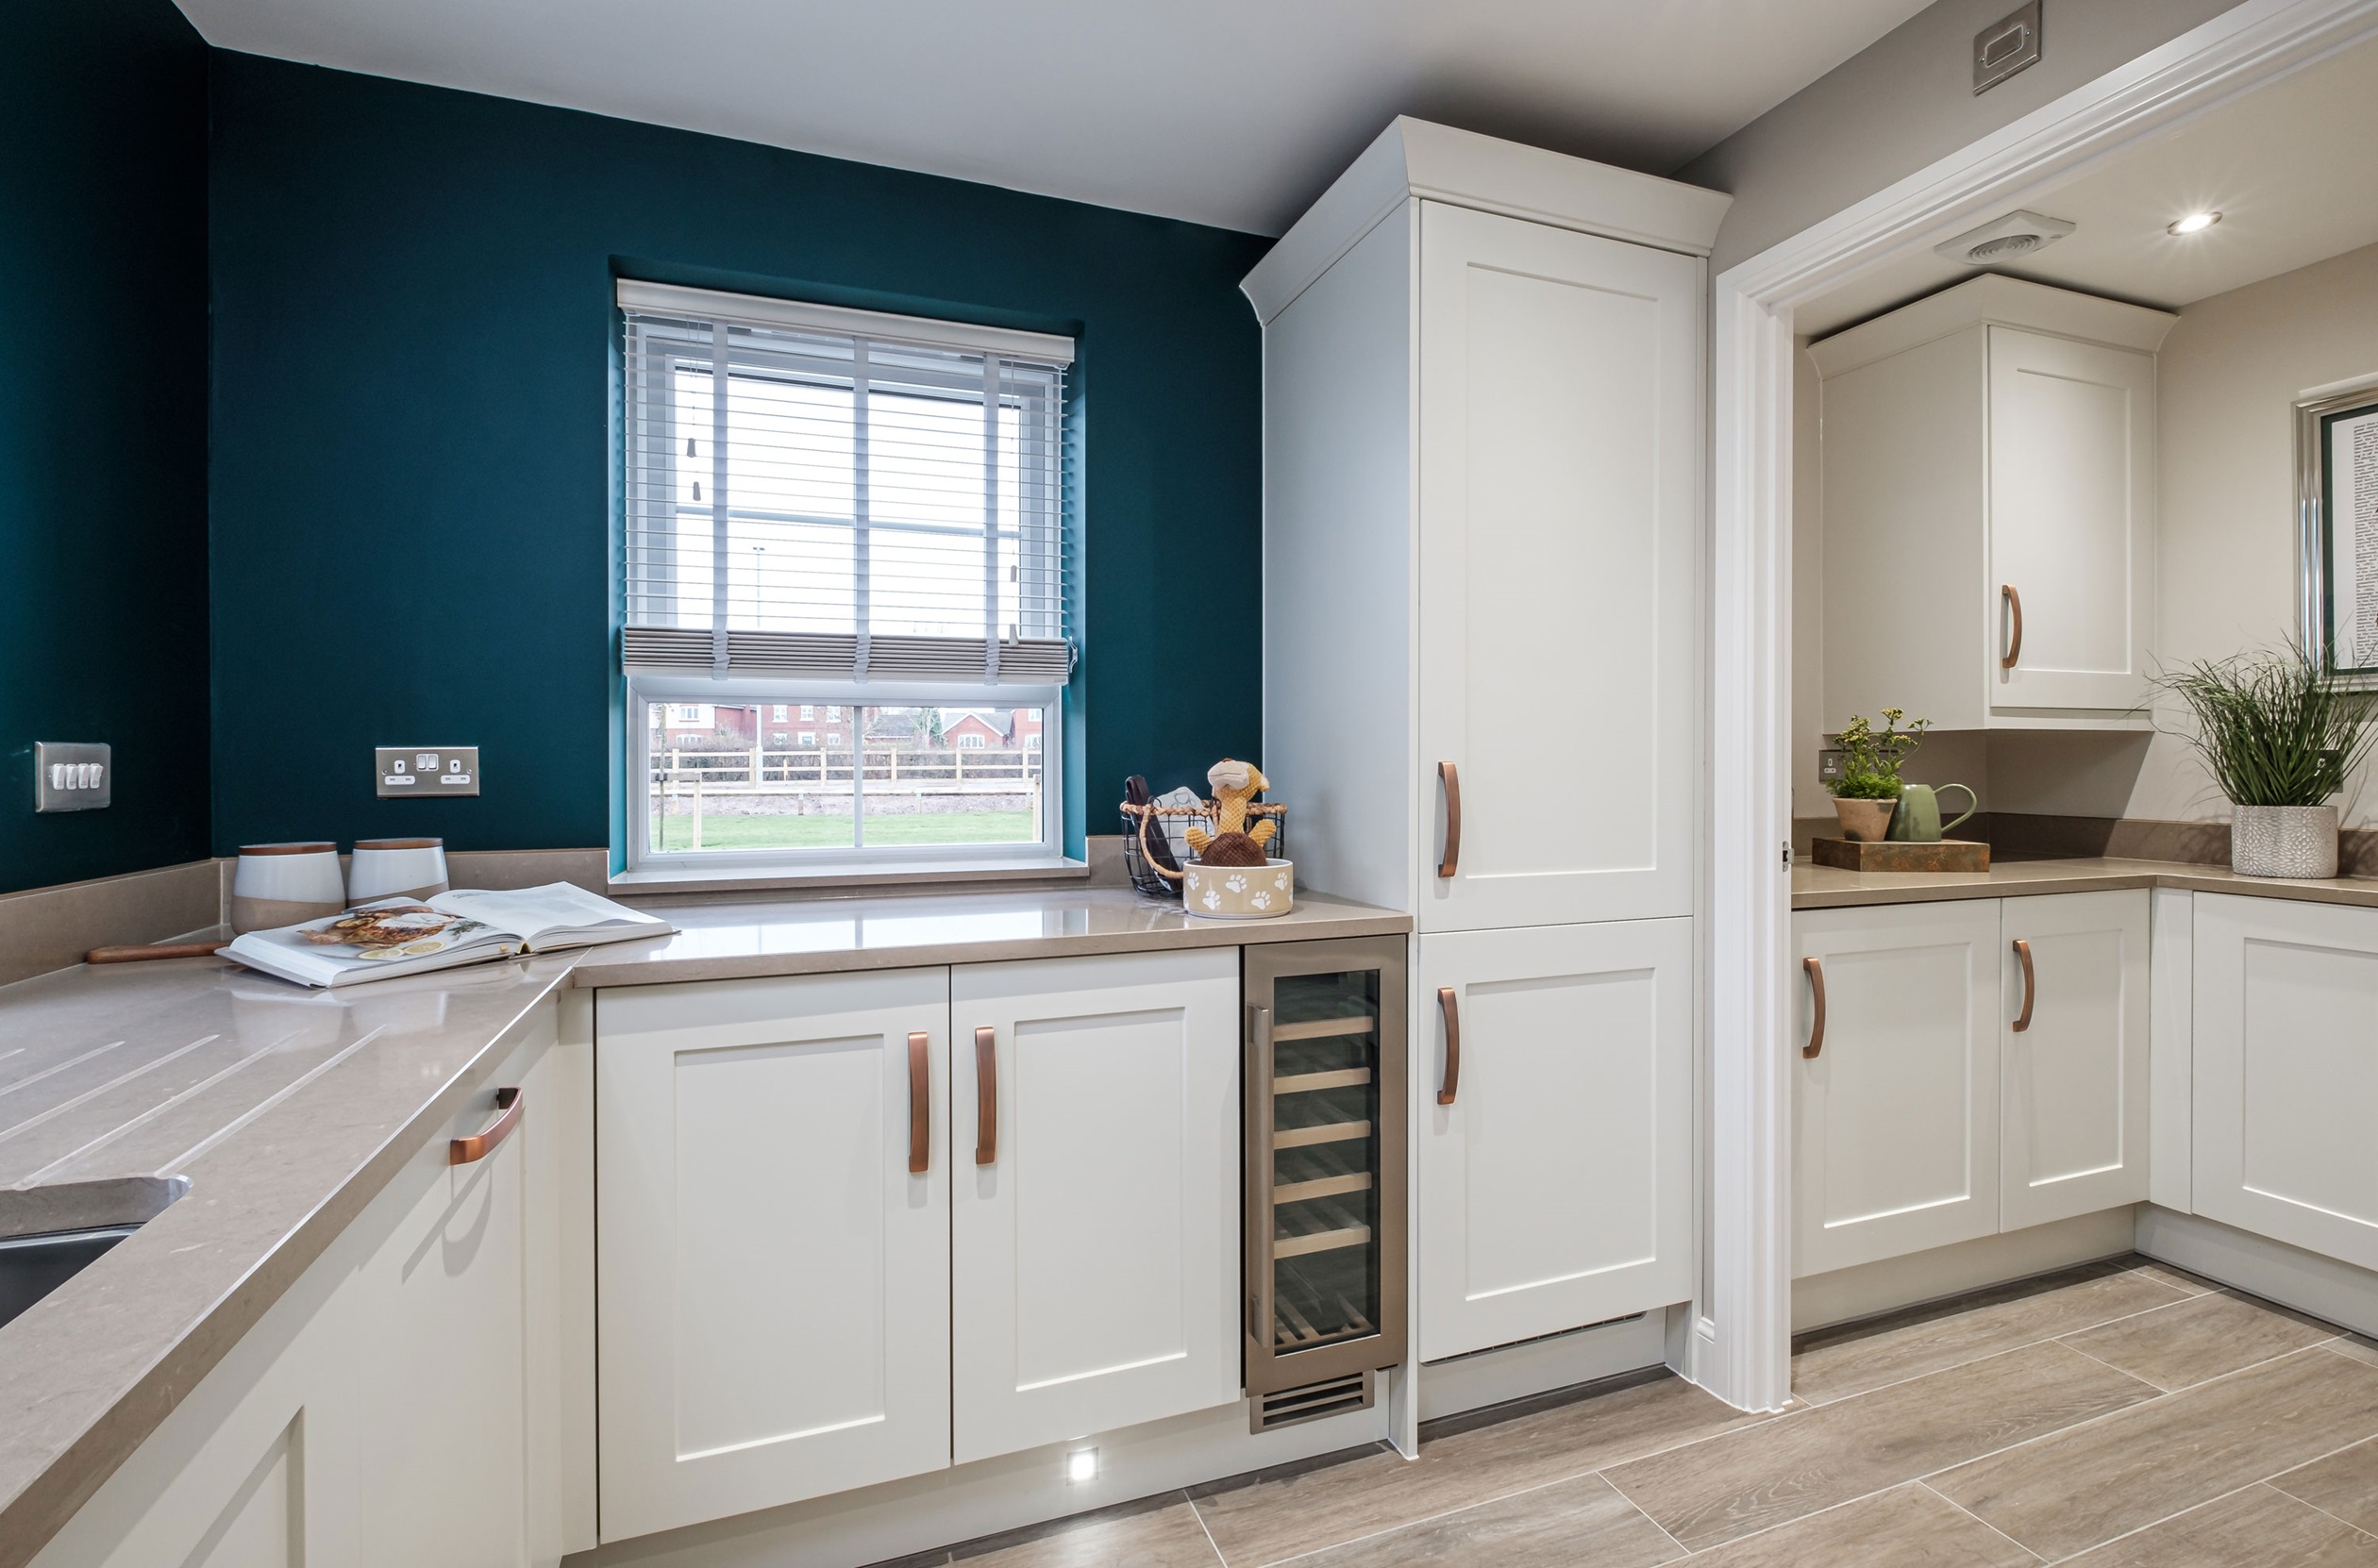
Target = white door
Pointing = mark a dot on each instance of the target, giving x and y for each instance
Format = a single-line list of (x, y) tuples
[(772, 1275), (2287, 1072), (2072, 504), (1095, 1177), (1560, 480), (1556, 1188), (2072, 1082), (1896, 1123), (444, 1475)]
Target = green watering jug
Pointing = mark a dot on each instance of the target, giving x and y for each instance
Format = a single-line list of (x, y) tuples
[(1917, 819)]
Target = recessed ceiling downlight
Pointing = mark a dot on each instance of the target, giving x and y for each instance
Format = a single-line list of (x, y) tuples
[(2005, 239), (2195, 223)]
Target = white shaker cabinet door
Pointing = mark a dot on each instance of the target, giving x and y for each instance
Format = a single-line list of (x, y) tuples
[(2287, 1072), (1896, 1123), (772, 1275), (1094, 1151), (2073, 1100), (2073, 506), (444, 1475), (1560, 451), (1556, 1186)]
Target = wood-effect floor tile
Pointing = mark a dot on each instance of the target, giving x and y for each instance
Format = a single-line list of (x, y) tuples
[(2344, 1484), (1826, 1372), (2254, 1529), (1282, 1517), (1903, 1527), (1566, 1524), (2179, 1279), (1166, 1537), (2074, 1489), (2200, 1339), (2356, 1346), (1811, 1459)]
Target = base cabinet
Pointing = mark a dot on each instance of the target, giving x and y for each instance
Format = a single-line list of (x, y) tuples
[(1980, 1066), (2074, 1082), (2287, 1072), (772, 1270), (1553, 1073), (1895, 1137), (1093, 1246)]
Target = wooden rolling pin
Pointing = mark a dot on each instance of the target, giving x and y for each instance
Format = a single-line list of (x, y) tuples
[(155, 950)]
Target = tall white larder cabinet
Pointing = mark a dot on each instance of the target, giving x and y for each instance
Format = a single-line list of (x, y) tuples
[(1483, 394)]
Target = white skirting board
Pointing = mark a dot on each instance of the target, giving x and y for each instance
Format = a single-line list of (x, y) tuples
[(1891, 1283), (2291, 1276), (990, 1496), (1538, 1366)]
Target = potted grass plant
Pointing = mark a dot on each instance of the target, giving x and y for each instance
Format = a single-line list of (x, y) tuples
[(1867, 791), (2280, 736)]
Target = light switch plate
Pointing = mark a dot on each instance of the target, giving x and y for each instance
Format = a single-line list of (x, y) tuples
[(426, 771), (1828, 763), (73, 775)]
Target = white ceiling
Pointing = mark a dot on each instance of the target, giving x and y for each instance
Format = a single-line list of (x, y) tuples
[(1233, 112), (2285, 167)]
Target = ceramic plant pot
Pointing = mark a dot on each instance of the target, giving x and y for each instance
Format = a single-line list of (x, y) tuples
[(2283, 840), (1239, 893), (1865, 821)]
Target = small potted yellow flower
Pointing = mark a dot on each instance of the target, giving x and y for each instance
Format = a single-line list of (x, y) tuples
[(1867, 791)]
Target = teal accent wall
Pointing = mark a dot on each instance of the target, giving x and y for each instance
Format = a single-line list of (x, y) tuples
[(103, 429), (412, 476)]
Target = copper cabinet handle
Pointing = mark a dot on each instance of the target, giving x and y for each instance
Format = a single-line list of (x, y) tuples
[(986, 1095), (1452, 1009), (2015, 636), (1816, 993), (920, 1103), (2031, 984), (1449, 777), (462, 1151)]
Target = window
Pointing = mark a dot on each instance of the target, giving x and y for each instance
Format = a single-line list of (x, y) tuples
[(819, 498)]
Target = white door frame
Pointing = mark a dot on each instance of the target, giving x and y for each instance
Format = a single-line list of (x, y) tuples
[(1741, 1346)]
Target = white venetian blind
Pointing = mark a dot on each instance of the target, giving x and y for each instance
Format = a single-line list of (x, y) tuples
[(842, 495)]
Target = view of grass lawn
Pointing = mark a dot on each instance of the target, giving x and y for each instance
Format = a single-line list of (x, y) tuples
[(739, 832)]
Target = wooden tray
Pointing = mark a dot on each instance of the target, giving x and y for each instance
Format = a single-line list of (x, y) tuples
[(1947, 855)]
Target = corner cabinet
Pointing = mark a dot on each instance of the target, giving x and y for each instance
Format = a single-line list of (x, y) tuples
[(1966, 1068), (1988, 471), (2287, 1072), (1003, 1195)]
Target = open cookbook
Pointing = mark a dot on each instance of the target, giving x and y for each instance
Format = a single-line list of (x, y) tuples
[(407, 936)]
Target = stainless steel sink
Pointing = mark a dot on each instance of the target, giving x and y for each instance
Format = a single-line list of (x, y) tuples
[(50, 1234)]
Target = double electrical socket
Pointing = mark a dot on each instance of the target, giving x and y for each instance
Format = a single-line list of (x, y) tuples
[(426, 771)]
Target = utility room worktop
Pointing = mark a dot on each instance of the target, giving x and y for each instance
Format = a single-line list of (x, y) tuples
[(289, 1110), (1830, 888)]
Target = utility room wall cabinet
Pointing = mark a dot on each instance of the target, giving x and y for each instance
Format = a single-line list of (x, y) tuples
[(1990, 512)]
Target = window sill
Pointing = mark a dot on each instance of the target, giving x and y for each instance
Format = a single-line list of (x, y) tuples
[(921, 877)]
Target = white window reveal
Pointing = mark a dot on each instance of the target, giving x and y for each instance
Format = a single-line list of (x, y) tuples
[(825, 503)]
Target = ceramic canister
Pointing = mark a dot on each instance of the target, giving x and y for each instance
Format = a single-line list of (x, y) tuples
[(395, 868), (282, 884)]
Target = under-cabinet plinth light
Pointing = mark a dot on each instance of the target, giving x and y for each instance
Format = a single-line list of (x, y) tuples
[(1082, 1465), (2195, 222)]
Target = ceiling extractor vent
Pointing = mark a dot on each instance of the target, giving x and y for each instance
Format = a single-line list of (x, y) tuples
[(2005, 239)]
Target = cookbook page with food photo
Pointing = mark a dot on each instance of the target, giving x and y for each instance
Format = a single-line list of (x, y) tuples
[(407, 936)]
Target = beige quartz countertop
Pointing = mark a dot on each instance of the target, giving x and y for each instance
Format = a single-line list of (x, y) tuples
[(1830, 888), (725, 941), (289, 1110)]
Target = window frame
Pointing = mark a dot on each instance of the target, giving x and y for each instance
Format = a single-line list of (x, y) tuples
[(645, 688)]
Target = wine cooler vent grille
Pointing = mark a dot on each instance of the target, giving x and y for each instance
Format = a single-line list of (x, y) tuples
[(1332, 1397)]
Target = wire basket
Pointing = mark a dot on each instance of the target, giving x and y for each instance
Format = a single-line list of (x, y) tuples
[(1152, 878)]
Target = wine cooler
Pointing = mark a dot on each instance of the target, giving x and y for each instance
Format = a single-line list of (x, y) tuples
[(1326, 1143)]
